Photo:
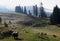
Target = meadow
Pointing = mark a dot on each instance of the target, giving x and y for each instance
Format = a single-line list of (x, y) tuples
[(33, 30)]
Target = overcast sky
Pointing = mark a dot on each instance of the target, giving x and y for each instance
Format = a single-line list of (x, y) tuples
[(49, 4)]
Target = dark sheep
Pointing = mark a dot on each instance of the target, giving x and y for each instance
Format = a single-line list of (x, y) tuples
[(54, 36), (15, 35), (42, 33), (1, 37), (7, 34), (45, 33), (10, 33)]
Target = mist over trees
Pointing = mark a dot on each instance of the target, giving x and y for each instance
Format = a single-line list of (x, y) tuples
[(54, 18), (42, 12), (36, 10)]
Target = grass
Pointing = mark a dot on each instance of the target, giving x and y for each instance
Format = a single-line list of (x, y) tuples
[(28, 33)]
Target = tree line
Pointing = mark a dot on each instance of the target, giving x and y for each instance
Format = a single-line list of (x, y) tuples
[(42, 13), (54, 18)]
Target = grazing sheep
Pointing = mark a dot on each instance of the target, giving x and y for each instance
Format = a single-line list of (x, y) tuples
[(42, 33), (15, 35), (54, 36), (7, 34), (1, 37), (10, 33), (45, 33)]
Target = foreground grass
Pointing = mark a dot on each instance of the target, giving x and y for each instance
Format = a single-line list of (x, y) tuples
[(34, 34)]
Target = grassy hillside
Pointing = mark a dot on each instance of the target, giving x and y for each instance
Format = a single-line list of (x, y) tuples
[(34, 34), (36, 31)]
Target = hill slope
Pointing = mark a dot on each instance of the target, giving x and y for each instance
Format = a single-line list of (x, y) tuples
[(28, 33)]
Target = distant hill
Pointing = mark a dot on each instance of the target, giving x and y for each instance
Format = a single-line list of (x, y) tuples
[(4, 9)]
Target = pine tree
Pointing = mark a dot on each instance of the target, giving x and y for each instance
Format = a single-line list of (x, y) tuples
[(55, 17), (42, 12), (25, 11), (29, 13), (22, 10), (35, 10), (18, 9)]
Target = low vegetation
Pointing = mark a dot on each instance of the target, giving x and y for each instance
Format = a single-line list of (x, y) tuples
[(30, 30), (28, 33)]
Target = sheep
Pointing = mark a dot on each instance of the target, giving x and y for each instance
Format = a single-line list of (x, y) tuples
[(10, 33), (54, 36), (15, 35), (7, 34), (43, 33)]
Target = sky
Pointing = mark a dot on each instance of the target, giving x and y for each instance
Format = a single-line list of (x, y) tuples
[(49, 4)]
